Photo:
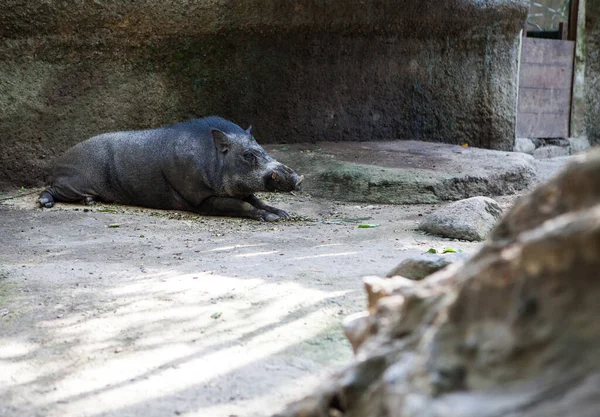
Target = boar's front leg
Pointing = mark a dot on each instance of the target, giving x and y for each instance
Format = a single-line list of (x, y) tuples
[(228, 206), (258, 203)]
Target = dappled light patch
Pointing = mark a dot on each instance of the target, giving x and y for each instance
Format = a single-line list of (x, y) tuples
[(326, 255)]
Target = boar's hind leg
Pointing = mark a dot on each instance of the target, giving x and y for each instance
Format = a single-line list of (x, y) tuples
[(50, 195), (258, 203), (227, 206)]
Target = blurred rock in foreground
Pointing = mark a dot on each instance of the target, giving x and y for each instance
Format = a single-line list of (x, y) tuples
[(511, 332)]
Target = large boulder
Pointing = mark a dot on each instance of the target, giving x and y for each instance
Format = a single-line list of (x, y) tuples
[(436, 70), (469, 219), (407, 171), (512, 332)]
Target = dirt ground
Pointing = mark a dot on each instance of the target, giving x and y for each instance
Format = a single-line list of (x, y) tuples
[(171, 313)]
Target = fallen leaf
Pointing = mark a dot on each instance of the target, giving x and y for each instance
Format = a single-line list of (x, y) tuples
[(368, 225)]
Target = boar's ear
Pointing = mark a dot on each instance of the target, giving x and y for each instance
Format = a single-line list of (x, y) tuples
[(221, 140), (249, 130)]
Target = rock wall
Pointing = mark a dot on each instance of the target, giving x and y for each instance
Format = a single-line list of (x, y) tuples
[(577, 129), (592, 71), (298, 71)]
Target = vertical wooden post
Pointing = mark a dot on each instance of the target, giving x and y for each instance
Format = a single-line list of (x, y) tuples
[(573, 13), (562, 31)]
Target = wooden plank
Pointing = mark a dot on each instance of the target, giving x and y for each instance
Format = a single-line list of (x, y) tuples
[(545, 51), (536, 100), (545, 76), (545, 88), (542, 126)]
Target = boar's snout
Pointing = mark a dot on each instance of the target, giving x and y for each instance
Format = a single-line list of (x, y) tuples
[(298, 186), (283, 178)]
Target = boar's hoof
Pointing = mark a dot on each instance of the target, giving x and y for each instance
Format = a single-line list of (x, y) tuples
[(89, 201), (269, 217), (46, 199), (282, 214), (45, 203)]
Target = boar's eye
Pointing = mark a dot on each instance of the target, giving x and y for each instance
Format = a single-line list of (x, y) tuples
[(250, 157)]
